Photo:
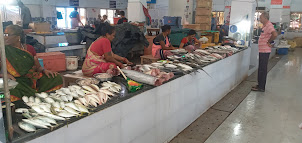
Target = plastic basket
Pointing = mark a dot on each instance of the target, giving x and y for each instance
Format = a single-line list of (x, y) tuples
[(282, 51)]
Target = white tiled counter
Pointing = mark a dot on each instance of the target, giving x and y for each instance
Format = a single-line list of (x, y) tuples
[(159, 114)]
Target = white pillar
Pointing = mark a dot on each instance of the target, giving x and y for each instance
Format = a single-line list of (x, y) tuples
[(135, 10)]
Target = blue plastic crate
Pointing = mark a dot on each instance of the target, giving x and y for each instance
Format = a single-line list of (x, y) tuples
[(282, 51), (172, 21), (41, 62)]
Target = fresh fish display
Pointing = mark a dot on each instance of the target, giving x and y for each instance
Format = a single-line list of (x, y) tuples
[(38, 109), (72, 111), (27, 115), (25, 99), (22, 110), (72, 105), (82, 108), (27, 127), (66, 114), (52, 116), (35, 123), (31, 99), (46, 119)]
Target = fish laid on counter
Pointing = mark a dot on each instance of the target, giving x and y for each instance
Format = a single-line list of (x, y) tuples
[(27, 127), (141, 77)]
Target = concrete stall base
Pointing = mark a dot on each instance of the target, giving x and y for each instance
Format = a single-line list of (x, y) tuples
[(159, 114)]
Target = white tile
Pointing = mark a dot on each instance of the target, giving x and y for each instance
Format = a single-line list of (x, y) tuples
[(149, 137), (134, 125)]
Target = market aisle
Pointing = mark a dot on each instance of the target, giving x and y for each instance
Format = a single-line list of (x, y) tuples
[(270, 117)]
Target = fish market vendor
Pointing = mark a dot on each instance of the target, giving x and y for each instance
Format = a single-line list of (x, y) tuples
[(161, 44), (190, 43), (100, 58), (23, 67)]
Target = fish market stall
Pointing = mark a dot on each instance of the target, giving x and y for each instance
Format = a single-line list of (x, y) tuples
[(108, 112), (69, 50), (47, 39)]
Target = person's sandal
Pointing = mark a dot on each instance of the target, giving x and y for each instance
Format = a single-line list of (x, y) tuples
[(256, 88)]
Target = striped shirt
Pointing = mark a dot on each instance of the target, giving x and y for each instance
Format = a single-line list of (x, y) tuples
[(266, 34)]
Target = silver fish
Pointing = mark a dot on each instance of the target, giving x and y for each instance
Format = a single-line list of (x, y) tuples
[(41, 122), (66, 114), (27, 127), (64, 98), (76, 87), (29, 121), (95, 87), (140, 77), (82, 108), (25, 99), (83, 101), (89, 89), (74, 94), (78, 102), (31, 99), (59, 92), (49, 100), (72, 105), (43, 95), (107, 92), (27, 115), (56, 104), (45, 108), (62, 105), (70, 110), (47, 119), (69, 97), (52, 116), (37, 100), (21, 110), (66, 91), (93, 103), (80, 92), (38, 109)]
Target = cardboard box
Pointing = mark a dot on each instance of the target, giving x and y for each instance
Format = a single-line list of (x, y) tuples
[(205, 26), (203, 11), (40, 27), (204, 3), (202, 19), (192, 26)]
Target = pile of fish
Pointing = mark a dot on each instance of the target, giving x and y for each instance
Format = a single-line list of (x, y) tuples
[(63, 104)]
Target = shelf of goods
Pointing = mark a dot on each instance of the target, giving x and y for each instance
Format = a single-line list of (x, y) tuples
[(106, 112)]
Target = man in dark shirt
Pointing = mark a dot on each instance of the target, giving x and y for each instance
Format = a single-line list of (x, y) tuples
[(25, 15), (123, 19)]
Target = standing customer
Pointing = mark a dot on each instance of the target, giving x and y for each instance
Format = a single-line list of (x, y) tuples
[(123, 19), (268, 35), (25, 15), (105, 19), (75, 18)]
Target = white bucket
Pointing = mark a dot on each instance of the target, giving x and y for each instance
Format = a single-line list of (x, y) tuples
[(71, 63)]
